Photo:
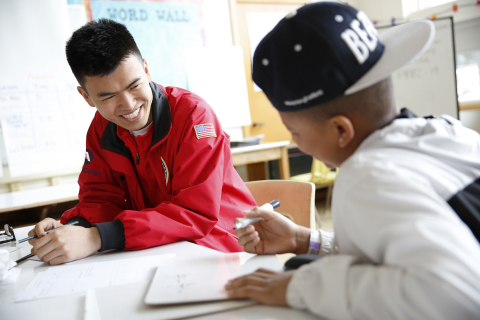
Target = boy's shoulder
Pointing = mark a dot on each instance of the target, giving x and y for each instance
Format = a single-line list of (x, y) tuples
[(438, 153), (440, 137)]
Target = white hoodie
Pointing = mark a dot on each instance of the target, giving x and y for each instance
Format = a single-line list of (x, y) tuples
[(400, 250)]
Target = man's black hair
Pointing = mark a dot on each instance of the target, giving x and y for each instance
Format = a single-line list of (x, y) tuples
[(98, 48)]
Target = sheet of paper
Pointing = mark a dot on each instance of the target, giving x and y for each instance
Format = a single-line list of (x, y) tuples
[(202, 279), (71, 279), (91, 311)]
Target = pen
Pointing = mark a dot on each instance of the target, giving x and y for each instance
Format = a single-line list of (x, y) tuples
[(24, 258), (248, 221), (35, 236)]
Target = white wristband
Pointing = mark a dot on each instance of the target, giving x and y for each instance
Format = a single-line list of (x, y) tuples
[(315, 242)]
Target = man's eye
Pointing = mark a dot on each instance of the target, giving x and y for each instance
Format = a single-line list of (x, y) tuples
[(108, 98), (135, 86)]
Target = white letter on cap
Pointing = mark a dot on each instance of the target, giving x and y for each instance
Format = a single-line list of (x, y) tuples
[(358, 48), (368, 26), (371, 44)]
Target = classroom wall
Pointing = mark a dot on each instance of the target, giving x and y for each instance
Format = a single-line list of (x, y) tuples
[(378, 10), (218, 33)]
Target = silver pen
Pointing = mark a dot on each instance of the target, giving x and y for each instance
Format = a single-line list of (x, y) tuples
[(248, 221)]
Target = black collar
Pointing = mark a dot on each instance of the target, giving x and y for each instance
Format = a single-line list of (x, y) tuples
[(161, 119), (161, 114), (405, 113)]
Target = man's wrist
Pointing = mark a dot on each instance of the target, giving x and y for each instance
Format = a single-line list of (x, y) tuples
[(96, 239), (302, 239)]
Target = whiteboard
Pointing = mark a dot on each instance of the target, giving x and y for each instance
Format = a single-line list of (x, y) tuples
[(44, 119), (427, 85)]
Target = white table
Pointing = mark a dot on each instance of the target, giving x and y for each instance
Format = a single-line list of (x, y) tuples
[(125, 301)]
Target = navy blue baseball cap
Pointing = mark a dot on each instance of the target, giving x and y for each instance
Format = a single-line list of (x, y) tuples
[(325, 50)]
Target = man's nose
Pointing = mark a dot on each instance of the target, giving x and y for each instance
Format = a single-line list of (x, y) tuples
[(128, 101)]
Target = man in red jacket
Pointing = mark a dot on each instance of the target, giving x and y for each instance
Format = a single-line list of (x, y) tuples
[(158, 166)]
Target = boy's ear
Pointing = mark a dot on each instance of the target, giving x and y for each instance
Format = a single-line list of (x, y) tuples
[(85, 96), (344, 130), (147, 71)]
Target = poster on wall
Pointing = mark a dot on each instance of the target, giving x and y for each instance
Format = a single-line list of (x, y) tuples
[(43, 118), (162, 31)]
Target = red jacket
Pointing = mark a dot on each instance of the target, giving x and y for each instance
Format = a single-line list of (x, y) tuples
[(201, 192)]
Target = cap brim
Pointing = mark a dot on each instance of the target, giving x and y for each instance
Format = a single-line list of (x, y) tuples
[(403, 44)]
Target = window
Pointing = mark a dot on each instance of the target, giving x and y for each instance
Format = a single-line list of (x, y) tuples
[(468, 76), (410, 6), (424, 4)]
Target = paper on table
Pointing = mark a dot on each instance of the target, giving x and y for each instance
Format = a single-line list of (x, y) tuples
[(71, 279), (202, 279), (91, 311)]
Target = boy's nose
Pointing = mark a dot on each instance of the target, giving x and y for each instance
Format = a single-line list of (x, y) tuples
[(128, 102)]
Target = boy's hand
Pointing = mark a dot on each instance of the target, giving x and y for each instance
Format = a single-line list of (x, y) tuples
[(65, 244), (274, 234), (42, 226), (265, 286)]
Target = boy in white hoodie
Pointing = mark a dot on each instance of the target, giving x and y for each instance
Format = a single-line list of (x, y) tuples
[(406, 203)]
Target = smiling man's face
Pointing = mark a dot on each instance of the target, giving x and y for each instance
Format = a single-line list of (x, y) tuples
[(123, 97)]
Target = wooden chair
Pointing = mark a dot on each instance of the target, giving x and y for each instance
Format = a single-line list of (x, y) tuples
[(297, 198), (322, 177)]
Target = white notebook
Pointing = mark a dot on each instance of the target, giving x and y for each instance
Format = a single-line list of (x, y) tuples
[(203, 279)]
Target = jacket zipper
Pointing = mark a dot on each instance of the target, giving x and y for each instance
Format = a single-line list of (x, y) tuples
[(138, 158)]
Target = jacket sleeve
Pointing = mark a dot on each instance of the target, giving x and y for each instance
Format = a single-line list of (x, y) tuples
[(195, 192), (422, 261), (101, 196)]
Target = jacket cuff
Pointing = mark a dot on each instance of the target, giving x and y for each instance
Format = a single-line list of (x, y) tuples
[(82, 222), (112, 235)]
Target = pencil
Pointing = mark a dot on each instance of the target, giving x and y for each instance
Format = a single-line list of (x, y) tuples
[(35, 236), (25, 258)]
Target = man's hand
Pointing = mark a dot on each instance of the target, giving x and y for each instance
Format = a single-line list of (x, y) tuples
[(265, 286), (272, 235), (65, 244)]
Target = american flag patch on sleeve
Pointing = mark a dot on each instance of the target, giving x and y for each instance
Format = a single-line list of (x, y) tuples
[(205, 130)]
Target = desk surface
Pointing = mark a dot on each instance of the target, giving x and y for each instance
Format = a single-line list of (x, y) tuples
[(126, 301)]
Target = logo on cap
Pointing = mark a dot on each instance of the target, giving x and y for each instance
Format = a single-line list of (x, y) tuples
[(361, 42)]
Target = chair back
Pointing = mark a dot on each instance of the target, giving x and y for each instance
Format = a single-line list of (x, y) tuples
[(297, 198), (321, 174)]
